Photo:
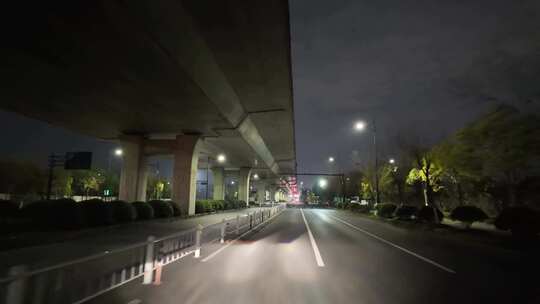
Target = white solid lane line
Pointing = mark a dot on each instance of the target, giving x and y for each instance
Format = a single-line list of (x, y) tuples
[(318, 257), (394, 245)]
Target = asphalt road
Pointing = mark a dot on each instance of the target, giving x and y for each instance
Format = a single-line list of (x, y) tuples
[(327, 256)]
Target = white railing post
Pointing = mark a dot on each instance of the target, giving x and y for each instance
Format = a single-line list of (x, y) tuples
[(198, 235), (149, 261), (238, 224), (223, 225), (15, 289)]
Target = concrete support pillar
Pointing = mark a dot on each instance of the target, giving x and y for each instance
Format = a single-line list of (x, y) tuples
[(243, 184), (218, 176), (186, 158), (272, 194), (261, 192), (134, 171)]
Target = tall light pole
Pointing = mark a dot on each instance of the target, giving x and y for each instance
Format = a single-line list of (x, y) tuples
[(361, 126)]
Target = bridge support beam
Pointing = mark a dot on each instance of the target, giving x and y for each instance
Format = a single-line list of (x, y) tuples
[(186, 158), (261, 192), (244, 176), (218, 176), (134, 170)]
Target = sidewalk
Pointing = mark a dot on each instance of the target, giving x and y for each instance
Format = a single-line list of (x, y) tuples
[(101, 239)]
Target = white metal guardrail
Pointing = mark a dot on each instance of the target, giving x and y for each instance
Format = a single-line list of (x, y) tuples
[(81, 279)]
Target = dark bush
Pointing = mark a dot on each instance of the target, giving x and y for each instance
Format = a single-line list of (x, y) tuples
[(521, 221), (144, 210), (406, 212), (360, 208), (175, 207), (426, 214), (161, 209), (62, 213), (98, 212), (386, 210), (8, 209), (123, 211), (468, 214), (203, 206)]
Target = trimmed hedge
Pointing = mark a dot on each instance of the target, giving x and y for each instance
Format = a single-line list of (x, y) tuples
[(426, 214), (123, 211), (521, 221), (8, 209), (176, 209), (144, 210), (406, 212), (161, 209), (204, 206), (360, 208), (62, 213), (386, 210), (468, 214), (98, 212)]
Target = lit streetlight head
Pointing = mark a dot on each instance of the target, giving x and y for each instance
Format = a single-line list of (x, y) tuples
[(391, 160), (118, 152), (331, 159), (255, 176), (359, 125), (323, 183), (232, 182), (221, 158)]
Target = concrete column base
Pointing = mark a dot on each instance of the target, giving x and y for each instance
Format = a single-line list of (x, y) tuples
[(243, 184), (134, 175), (218, 177), (186, 158)]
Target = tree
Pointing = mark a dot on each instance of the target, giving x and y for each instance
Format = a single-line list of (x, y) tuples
[(89, 181), (499, 150), (428, 171)]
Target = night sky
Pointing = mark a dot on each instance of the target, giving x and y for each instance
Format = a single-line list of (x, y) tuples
[(419, 68)]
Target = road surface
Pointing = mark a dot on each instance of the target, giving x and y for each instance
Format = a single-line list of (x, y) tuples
[(327, 256)]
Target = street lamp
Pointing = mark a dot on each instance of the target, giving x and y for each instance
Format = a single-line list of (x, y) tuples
[(391, 161), (360, 126), (323, 183), (221, 158), (331, 159), (118, 152), (255, 176)]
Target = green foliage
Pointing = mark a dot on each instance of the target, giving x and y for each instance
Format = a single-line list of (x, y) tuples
[(386, 210), (468, 214), (359, 208), (144, 210), (8, 210), (63, 214), (18, 177), (98, 212), (123, 211), (500, 148), (175, 207), (426, 214), (521, 221), (161, 209), (406, 212)]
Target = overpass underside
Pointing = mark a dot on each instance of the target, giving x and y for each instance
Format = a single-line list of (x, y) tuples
[(184, 78)]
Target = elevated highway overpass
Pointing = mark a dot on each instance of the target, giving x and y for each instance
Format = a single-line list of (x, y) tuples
[(183, 78)]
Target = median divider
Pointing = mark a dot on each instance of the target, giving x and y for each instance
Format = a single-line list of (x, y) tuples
[(82, 279)]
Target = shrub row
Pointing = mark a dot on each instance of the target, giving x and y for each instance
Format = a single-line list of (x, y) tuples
[(521, 221), (204, 206), (68, 214)]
